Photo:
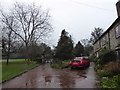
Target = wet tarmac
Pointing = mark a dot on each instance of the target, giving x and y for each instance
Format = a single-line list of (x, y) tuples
[(46, 77)]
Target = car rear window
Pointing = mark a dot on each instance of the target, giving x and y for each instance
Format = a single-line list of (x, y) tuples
[(76, 60), (85, 58)]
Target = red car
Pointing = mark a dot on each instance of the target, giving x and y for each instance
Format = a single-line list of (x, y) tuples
[(79, 62)]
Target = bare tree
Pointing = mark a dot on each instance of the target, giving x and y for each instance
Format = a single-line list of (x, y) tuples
[(8, 39), (96, 34), (85, 42), (30, 23), (10, 42)]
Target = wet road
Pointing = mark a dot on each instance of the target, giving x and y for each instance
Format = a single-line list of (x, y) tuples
[(46, 77)]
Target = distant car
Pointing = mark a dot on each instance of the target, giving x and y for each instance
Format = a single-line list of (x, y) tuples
[(48, 61), (79, 62)]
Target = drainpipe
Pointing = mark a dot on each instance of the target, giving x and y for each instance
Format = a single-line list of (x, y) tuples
[(118, 56), (109, 40)]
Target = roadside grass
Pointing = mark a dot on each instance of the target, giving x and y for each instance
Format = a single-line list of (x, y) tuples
[(13, 69)]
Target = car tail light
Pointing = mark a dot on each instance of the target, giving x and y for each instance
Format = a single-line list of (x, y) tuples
[(80, 61), (70, 62)]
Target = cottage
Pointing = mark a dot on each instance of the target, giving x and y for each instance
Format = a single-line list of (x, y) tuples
[(110, 39)]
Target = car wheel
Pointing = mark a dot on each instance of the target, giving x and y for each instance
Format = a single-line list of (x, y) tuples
[(71, 67), (88, 64)]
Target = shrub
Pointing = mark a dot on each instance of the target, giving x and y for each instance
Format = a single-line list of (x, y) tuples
[(106, 56), (112, 67), (110, 82), (65, 62), (98, 61), (95, 60), (117, 80), (57, 66), (60, 65), (98, 67), (105, 73), (107, 83)]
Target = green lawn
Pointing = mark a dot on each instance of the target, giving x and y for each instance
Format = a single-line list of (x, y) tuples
[(13, 68), (0, 72), (12, 60)]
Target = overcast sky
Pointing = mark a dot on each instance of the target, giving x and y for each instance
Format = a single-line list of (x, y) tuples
[(78, 17)]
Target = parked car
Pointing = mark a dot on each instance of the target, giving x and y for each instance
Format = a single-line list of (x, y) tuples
[(79, 62)]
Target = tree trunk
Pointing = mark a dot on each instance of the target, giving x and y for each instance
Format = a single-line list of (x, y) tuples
[(7, 61), (27, 53), (8, 56), (8, 52)]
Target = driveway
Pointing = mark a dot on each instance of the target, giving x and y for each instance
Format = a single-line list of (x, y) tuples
[(46, 77)]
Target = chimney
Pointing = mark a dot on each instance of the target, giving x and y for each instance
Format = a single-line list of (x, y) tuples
[(118, 8)]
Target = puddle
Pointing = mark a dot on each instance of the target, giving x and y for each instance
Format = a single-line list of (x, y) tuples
[(82, 74), (47, 79), (66, 80)]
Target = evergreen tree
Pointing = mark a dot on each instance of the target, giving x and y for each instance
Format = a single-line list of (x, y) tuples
[(78, 50), (64, 49)]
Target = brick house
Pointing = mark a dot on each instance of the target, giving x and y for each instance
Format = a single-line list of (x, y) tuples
[(110, 39)]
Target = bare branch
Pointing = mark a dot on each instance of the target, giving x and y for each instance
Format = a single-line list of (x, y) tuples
[(29, 23)]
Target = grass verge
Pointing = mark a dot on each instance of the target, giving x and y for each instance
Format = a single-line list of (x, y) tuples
[(11, 70)]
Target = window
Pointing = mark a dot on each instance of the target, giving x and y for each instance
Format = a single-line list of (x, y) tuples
[(76, 60), (85, 58), (118, 31), (104, 40)]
